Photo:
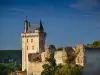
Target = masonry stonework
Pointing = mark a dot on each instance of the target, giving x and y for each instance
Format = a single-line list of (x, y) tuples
[(34, 51)]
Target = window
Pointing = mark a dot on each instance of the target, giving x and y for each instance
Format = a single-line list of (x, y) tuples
[(36, 35), (32, 47), (27, 40), (27, 47), (31, 40)]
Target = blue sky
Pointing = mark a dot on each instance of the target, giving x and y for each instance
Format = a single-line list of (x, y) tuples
[(67, 22)]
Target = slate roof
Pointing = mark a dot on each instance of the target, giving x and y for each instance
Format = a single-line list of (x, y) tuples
[(33, 27)]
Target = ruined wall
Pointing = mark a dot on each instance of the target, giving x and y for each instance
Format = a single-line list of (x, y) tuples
[(36, 67), (80, 54), (58, 57)]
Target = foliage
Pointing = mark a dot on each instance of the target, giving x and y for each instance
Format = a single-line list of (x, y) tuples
[(53, 69), (95, 44), (5, 69), (49, 68), (10, 53), (51, 60), (64, 55), (60, 49)]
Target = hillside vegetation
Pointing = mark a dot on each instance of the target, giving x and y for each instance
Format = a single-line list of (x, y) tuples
[(10, 53), (95, 44)]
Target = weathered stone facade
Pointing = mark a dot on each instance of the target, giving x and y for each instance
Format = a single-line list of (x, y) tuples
[(34, 51), (33, 44), (80, 49)]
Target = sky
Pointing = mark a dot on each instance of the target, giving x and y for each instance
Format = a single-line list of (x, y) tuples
[(67, 22)]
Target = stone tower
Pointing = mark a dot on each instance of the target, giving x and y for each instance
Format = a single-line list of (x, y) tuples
[(33, 41)]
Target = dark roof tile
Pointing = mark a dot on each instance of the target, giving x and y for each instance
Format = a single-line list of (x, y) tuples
[(33, 27)]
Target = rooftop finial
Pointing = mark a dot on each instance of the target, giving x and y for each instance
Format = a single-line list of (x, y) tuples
[(40, 22), (26, 17)]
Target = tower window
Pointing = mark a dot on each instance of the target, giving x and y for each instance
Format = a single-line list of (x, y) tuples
[(27, 40), (31, 40), (32, 47), (27, 47)]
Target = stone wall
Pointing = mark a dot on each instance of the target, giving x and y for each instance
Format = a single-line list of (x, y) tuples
[(35, 68), (58, 57), (31, 43), (80, 54), (18, 73)]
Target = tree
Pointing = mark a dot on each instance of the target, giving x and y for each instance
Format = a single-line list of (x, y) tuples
[(49, 68), (60, 49), (67, 69), (64, 55), (57, 70), (95, 44), (4, 70), (7, 68)]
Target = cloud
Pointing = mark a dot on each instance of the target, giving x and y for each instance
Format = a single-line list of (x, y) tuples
[(86, 5)]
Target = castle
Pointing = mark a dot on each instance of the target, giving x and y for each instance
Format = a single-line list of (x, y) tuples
[(34, 50)]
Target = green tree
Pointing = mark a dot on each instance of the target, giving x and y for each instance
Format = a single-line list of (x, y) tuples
[(4, 70), (49, 68), (57, 69), (52, 69), (7, 68), (68, 69), (60, 48), (64, 55), (95, 44)]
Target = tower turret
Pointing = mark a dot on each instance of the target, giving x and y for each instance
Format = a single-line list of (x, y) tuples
[(33, 42), (26, 23), (41, 26)]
